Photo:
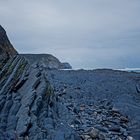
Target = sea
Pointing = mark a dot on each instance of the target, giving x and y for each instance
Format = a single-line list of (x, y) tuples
[(130, 69), (124, 69)]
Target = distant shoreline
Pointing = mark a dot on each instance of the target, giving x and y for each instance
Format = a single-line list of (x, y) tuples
[(125, 69)]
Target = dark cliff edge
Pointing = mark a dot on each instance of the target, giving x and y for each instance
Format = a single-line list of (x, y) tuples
[(44, 103), (6, 48), (24, 91)]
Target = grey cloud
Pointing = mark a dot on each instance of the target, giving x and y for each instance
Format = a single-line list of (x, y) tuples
[(93, 33)]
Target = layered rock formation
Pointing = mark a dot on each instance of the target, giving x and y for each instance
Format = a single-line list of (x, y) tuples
[(25, 97), (37, 103)]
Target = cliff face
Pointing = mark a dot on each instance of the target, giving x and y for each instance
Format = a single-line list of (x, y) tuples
[(46, 61), (24, 91), (6, 48), (26, 98)]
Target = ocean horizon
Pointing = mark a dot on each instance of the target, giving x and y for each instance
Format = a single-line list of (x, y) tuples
[(123, 69)]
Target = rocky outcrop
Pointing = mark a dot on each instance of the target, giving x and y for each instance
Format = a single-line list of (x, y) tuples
[(26, 99), (6, 48), (66, 65), (46, 61), (24, 92)]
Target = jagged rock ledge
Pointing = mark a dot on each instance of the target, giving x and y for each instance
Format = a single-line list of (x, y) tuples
[(24, 92)]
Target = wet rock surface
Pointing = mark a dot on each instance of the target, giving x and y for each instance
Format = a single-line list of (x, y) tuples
[(99, 104)]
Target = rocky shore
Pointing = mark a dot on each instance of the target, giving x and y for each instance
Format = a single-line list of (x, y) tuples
[(41, 102), (98, 104)]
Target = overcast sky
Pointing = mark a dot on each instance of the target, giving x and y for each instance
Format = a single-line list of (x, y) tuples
[(86, 33)]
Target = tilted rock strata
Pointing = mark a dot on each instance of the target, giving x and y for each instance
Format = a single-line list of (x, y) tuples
[(24, 91), (26, 99)]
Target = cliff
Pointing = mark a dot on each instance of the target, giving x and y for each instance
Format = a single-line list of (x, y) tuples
[(46, 61), (6, 48)]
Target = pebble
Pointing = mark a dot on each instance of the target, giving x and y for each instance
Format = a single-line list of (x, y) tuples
[(94, 133), (124, 119), (115, 129), (129, 138), (115, 110)]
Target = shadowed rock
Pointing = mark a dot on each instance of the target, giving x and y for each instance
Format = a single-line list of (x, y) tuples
[(6, 48)]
